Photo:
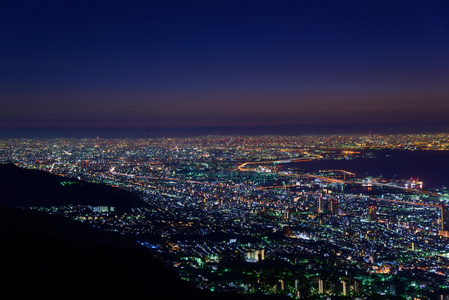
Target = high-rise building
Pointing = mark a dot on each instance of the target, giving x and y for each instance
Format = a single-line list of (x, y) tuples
[(357, 287), (345, 287), (281, 284), (333, 205), (372, 214), (255, 255), (444, 218), (320, 205), (321, 286)]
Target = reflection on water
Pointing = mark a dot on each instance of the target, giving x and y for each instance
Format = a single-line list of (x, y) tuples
[(431, 167)]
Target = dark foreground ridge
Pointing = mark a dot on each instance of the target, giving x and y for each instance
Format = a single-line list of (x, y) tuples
[(22, 187), (40, 263), (50, 257), (46, 256)]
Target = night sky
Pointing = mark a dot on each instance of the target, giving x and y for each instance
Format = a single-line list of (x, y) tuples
[(163, 64)]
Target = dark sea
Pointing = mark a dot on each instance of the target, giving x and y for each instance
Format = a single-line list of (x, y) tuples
[(430, 167)]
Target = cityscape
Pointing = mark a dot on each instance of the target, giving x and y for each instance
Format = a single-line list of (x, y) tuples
[(259, 215), (238, 149)]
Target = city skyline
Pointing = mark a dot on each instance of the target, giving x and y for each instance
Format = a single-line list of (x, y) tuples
[(298, 217), (274, 149), (172, 64)]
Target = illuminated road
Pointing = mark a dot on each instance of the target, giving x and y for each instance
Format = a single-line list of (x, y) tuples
[(281, 161), (341, 171), (396, 186), (406, 202), (242, 167), (112, 171)]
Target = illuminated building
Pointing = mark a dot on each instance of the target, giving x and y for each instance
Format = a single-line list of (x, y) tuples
[(281, 284), (345, 287), (320, 286), (444, 218), (320, 205), (357, 287), (333, 204), (255, 255), (372, 214)]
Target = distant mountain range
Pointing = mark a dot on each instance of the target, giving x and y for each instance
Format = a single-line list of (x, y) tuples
[(414, 126)]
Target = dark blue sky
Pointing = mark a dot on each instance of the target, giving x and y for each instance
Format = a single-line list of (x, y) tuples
[(207, 63)]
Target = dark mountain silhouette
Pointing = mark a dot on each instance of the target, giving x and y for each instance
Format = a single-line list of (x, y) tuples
[(39, 261), (22, 187), (46, 256)]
